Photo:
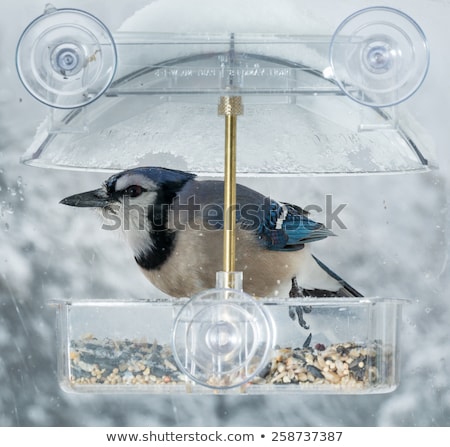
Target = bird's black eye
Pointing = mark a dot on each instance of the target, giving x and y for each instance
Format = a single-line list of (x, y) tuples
[(133, 191)]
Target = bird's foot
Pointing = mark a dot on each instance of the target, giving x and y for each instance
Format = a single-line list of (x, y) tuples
[(296, 312)]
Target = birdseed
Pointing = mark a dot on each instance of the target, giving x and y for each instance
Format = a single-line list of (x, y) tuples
[(130, 362), (122, 362), (345, 364)]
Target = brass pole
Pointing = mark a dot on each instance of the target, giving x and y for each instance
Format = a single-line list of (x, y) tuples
[(231, 107)]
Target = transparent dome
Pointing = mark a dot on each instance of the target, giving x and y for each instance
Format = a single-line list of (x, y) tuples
[(161, 110)]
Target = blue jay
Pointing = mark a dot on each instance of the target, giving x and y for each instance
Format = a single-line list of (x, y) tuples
[(173, 224)]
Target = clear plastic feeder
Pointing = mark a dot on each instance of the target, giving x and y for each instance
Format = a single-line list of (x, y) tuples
[(313, 105)]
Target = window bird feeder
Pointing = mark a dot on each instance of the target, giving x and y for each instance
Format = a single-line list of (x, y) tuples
[(306, 105)]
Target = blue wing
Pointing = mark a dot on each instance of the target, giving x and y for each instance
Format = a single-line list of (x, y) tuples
[(279, 226), (286, 227)]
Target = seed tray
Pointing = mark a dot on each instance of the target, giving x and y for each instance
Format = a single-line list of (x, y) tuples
[(345, 346)]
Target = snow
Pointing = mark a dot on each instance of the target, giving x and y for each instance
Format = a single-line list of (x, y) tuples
[(396, 244), (200, 16)]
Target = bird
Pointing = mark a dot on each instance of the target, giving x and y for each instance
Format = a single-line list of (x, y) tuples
[(174, 223)]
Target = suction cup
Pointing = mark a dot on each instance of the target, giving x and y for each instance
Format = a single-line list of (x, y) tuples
[(379, 56), (222, 338), (66, 58)]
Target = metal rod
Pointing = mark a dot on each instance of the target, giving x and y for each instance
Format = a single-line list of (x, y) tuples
[(230, 107), (229, 247)]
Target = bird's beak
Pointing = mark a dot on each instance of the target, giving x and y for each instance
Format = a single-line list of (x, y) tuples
[(98, 198)]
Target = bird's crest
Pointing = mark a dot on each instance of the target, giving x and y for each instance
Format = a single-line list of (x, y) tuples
[(170, 178)]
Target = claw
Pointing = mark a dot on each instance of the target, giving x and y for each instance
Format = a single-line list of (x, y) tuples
[(296, 313), (292, 313)]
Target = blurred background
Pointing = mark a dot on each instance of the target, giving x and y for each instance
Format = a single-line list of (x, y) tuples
[(395, 244)]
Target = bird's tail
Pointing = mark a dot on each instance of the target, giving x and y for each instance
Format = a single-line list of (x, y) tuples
[(321, 281), (346, 289)]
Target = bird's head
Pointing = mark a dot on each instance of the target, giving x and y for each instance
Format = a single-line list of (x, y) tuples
[(134, 201), (141, 186)]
